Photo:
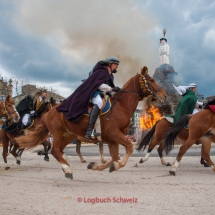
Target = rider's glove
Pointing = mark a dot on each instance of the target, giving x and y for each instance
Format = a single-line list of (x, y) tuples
[(116, 89)]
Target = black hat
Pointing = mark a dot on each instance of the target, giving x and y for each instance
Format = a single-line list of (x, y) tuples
[(163, 39)]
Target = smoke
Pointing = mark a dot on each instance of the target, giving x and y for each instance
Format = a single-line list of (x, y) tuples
[(90, 31)]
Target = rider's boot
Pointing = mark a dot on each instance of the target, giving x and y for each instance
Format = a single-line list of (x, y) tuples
[(93, 117)]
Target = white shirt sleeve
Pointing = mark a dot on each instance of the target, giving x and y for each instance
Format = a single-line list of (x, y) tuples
[(105, 87), (180, 89), (199, 103)]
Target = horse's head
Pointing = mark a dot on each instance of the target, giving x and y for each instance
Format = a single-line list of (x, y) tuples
[(150, 88), (8, 110)]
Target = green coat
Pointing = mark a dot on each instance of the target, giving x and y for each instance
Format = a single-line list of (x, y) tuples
[(186, 105)]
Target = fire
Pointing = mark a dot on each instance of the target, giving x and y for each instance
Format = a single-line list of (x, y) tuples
[(149, 118)]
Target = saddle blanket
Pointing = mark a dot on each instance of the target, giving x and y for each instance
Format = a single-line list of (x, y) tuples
[(105, 109), (168, 118), (212, 107)]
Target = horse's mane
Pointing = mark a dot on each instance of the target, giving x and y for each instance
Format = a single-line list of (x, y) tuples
[(124, 86), (42, 108), (52, 101)]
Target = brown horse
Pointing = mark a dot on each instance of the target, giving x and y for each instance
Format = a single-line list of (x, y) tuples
[(10, 136), (201, 127), (157, 135), (8, 111), (113, 124)]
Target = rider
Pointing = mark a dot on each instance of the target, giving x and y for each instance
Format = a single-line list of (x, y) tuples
[(30, 106), (188, 101), (100, 79)]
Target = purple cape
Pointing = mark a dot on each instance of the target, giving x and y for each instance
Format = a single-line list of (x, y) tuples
[(75, 106)]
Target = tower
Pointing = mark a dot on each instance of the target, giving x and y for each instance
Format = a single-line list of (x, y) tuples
[(165, 76)]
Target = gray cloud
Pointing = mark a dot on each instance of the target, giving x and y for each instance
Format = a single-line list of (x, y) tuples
[(60, 41)]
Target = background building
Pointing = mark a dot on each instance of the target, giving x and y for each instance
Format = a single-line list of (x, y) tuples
[(30, 89)]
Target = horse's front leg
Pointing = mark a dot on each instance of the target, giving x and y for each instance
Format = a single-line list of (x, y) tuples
[(5, 143), (113, 149), (13, 152), (187, 144), (78, 151)]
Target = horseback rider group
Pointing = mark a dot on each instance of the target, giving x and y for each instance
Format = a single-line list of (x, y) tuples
[(99, 82)]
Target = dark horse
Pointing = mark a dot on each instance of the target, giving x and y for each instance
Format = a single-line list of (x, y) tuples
[(201, 125), (9, 136), (113, 125)]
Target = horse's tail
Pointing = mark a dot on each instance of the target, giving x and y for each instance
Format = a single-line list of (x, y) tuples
[(34, 138), (146, 140), (173, 133)]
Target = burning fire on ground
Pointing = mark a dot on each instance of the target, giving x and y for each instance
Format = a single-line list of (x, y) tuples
[(150, 116)]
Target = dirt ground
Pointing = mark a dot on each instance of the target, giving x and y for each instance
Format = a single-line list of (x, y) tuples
[(39, 187)]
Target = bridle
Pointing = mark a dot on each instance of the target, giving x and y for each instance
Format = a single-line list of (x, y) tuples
[(6, 113), (147, 89), (144, 85)]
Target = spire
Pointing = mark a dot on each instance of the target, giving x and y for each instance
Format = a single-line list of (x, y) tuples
[(164, 32)]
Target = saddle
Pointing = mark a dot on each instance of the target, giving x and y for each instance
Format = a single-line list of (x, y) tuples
[(210, 103), (105, 107)]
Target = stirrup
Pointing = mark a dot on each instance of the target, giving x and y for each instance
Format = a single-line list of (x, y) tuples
[(93, 135)]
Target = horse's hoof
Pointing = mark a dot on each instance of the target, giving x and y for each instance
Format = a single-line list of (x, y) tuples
[(206, 165), (18, 162), (69, 175), (84, 161), (46, 159), (172, 172), (111, 168), (90, 165), (40, 153), (141, 160), (7, 167), (168, 164)]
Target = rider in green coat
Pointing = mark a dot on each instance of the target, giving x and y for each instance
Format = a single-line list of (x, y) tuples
[(187, 103)]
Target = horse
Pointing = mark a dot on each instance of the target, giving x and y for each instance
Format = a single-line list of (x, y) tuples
[(201, 125), (8, 111), (114, 124), (7, 137), (157, 136)]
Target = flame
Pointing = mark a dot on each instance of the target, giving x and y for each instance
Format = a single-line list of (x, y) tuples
[(149, 118)]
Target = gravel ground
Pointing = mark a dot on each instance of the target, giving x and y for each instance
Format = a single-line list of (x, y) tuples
[(39, 187)]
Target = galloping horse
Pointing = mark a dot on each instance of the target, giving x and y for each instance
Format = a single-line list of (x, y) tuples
[(201, 125), (113, 124), (157, 135), (8, 112), (10, 136)]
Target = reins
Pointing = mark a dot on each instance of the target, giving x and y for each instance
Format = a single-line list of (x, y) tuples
[(143, 83)]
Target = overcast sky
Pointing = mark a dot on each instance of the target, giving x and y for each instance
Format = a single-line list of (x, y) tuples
[(56, 43)]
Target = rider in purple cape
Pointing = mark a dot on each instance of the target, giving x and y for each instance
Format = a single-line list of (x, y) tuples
[(101, 79)]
